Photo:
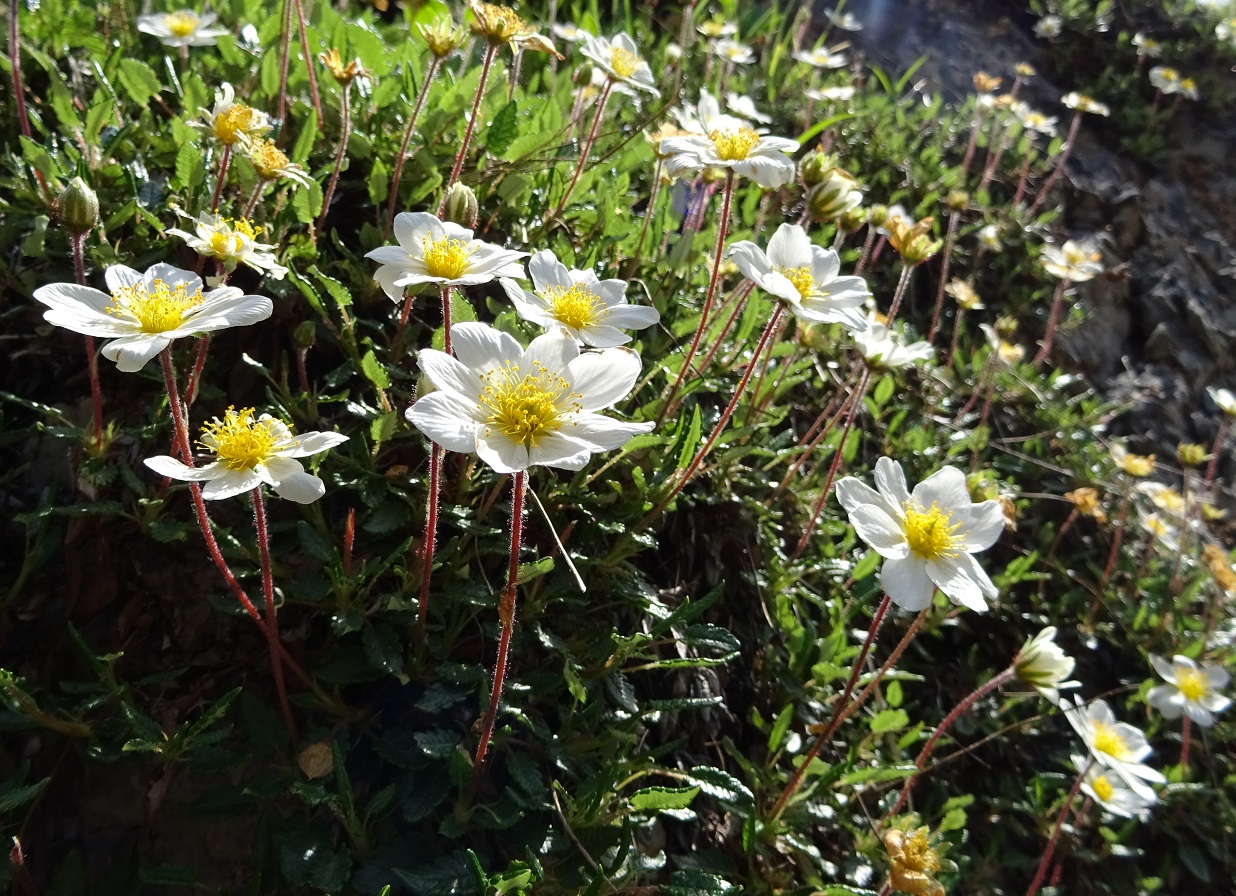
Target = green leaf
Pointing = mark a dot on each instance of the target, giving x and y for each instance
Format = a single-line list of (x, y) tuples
[(306, 138), (529, 571), (502, 130), (373, 370), (884, 389), (889, 720), (336, 290), (138, 80), (190, 169), (18, 796), (655, 799)]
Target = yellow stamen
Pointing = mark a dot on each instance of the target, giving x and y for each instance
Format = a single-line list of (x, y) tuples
[(268, 160), (1191, 683), (623, 62), (1102, 788), (931, 533), (1106, 739), (233, 123), (157, 309), (240, 441), (524, 407), (802, 279), (181, 24), (734, 146), (577, 307), (447, 258)]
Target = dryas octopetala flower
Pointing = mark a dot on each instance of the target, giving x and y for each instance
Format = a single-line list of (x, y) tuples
[(843, 20), (726, 141), (1048, 27), (1086, 500), (231, 122), (442, 36), (271, 163), (1111, 792), (593, 311), (1115, 745), (1044, 666), (882, 349), (435, 251), (501, 25), (183, 28), (231, 242), (570, 32), (804, 276), (1076, 262), (1079, 102), (821, 58), (913, 862), (837, 94), (732, 51), (927, 537), (964, 295), (1192, 688), (912, 241), (619, 58), (518, 407), (343, 74), (1147, 46), (249, 451), (1137, 465), (1224, 399), (145, 312)]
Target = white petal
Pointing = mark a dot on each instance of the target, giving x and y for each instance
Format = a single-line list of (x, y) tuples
[(72, 297), (604, 377), (315, 443), (292, 482), (559, 451), (481, 347), (603, 433), (554, 351), (447, 420), (547, 271), (232, 482), (119, 276), (172, 276), (750, 260), (945, 487), (411, 228), (174, 469), (825, 265), (906, 583), (502, 454), (132, 352), (877, 529), (890, 479), (449, 374), (955, 577), (790, 247), (632, 317), (984, 527)]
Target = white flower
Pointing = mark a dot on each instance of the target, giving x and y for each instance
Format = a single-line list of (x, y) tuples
[(1165, 78), (1033, 120), (822, 58), (844, 21), (732, 51), (830, 94), (804, 276), (989, 236), (249, 452), (726, 141), (1083, 103), (927, 537), (1226, 29), (231, 122), (593, 311), (1224, 399), (1111, 792), (433, 251), (1007, 352), (1115, 745), (571, 33), (673, 52), (1048, 27), (619, 58), (183, 28), (1161, 530), (742, 106), (882, 349), (1044, 666), (232, 243), (1147, 46), (516, 408), (1191, 688), (717, 28), (145, 312), (1077, 262)]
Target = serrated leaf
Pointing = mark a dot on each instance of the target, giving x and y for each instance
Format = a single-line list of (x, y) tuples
[(336, 290), (138, 80), (529, 571), (373, 370), (654, 799), (503, 129)]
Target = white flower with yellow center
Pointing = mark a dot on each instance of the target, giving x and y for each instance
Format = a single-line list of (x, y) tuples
[(1033, 120), (231, 122), (1111, 792), (435, 251), (1224, 399), (883, 348), (1077, 262), (732, 51), (518, 407), (822, 58), (232, 242), (844, 20), (183, 28), (927, 536), (619, 58), (1048, 27), (804, 276), (715, 28), (990, 237), (145, 312), (571, 33), (1044, 666), (1114, 745), (1081, 103), (1165, 78), (1226, 29), (839, 94), (249, 451), (1147, 46), (593, 311), (1191, 688)]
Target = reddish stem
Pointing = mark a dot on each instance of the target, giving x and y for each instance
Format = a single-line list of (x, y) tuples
[(1213, 466), (345, 128), (1055, 173), (308, 57), (272, 618), (430, 74), (285, 52), (587, 147), (949, 237), (1053, 321), (432, 502), (19, 90), (195, 373), (77, 246), (902, 282), (1045, 862), (490, 51), (349, 541), (224, 162), (649, 213), (740, 300)]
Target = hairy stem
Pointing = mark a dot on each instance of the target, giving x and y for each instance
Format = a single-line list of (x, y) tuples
[(272, 619), (1050, 851), (77, 244), (491, 51), (400, 159), (345, 131), (586, 149)]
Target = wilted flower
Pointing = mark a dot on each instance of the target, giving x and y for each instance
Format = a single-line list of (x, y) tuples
[(231, 242), (593, 311), (1082, 103), (183, 28), (1043, 665), (270, 163), (1077, 262), (1191, 689), (1191, 454), (1048, 27), (985, 83), (343, 74), (726, 141), (1086, 500), (145, 312), (442, 37), (1111, 792), (1025, 70), (501, 26), (619, 58), (231, 122), (1115, 745), (1220, 567), (964, 295), (911, 240), (927, 538), (1134, 464), (882, 348), (515, 407), (249, 452), (914, 862)]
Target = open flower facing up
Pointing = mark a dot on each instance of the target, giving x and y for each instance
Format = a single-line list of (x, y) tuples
[(716, 28), (1048, 27), (1033, 120), (732, 51), (1147, 46), (883, 349), (1077, 262), (1081, 103), (927, 537), (1111, 792), (804, 276), (1115, 745), (619, 58), (822, 58), (726, 141), (518, 407), (271, 163), (249, 451), (435, 251), (145, 312), (593, 311), (183, 28), (231, 242), (231, 122), (1044, 666), (1192, 688)]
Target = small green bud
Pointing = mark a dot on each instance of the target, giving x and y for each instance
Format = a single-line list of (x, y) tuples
[(461, 206), (79, 208), (877, 215), (835, 194), (853, 219), (305, 334), (1191, 454), (815, 167), (958, 200)]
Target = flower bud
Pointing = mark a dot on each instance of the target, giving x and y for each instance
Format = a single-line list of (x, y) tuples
[(853, 219), (79, 208), (461, 205), (877, 215), (835, 194), (1044, 666), (815, 168), (958, 200), (1190, 454)]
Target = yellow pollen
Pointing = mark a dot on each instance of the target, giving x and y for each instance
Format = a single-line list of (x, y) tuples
[(268, 160), (523, 407), (1191, 683), (499, 23), (734, 146), (577, 307), (1102, 788), (1108, 740), (157, 309), (224, 244), (240, 441), (181, 24), (801, 278), (233, 123), (931, 533), (447, 258), (918, 854), (623, 62), (245, 227)]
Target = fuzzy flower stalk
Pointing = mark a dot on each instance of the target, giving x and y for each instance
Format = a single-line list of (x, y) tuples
[(79, 215), (344, 75), (285, 53), (1080, 104), (1071, 263)]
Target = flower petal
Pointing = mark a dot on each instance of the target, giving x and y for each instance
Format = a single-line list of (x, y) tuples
[(132, 352), (292, 482), (502, 454), (790, 247), (906, 583), (447, 420), (602, 378), (315, 443), (985, 526), (174, 469), (877, 529), (232, 482), (481, 347)]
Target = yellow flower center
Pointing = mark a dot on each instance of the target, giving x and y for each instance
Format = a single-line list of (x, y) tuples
[(1102, 788), (233, 123), (157, 309), (447, 258), (623, 62), (917, 854), (802, 279), (734, 146), (1138, 465), (931, 533), (223, 244), (268, 160), (1106, 739), (577, 307), (240, 441), (523, 406), (1191, 683), (181, 24), (498, 23)]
